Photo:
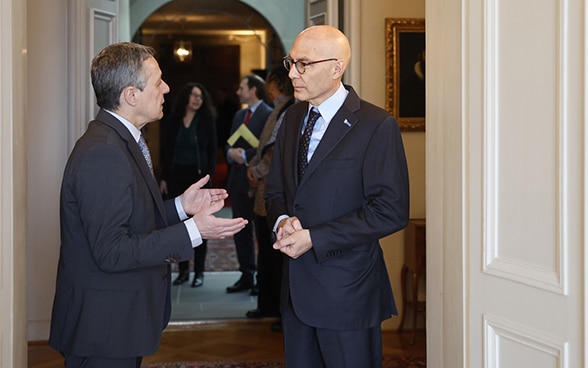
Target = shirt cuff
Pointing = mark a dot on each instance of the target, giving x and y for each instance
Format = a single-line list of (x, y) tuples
[(229, 159), (181, 213), (275, 229), (191, 227), (193, 232)]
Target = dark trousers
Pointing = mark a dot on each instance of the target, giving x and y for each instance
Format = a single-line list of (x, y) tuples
[(269, 269), (72, 361), (242, 206), (310, 347)]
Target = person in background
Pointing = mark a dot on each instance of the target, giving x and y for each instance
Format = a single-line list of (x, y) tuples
[(188, 153), (227, 104), (226, 107), (251, 92), (269, 261), (338, 183), (118, 237)]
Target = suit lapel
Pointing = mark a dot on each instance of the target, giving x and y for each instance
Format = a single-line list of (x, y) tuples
[(240, 117), (341, 124), (294, 129), (137, 155)]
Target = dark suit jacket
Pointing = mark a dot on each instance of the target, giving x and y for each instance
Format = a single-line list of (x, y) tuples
[(354, 192), (237, 178), (117, 240)]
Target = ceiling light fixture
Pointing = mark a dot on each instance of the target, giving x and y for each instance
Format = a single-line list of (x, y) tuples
[(183, 51), (183, 48)]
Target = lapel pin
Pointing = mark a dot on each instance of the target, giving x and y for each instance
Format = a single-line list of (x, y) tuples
[(346, 122)]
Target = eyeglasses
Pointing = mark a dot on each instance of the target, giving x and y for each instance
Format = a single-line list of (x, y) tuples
[(196, 96), (299, 64)]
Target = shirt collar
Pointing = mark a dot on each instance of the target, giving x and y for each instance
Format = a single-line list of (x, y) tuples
[(136, 133), (331, 105), (255, 106)]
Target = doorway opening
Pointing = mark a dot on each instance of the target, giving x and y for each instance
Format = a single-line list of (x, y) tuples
[(214, 43)]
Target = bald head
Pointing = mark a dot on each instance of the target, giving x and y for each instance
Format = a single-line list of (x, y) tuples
[(320, 55), (326, 42)]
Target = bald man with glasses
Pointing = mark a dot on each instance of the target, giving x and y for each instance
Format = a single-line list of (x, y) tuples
[(338, 183)]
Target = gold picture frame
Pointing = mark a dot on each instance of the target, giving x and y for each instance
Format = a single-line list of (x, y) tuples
[(405, 72)]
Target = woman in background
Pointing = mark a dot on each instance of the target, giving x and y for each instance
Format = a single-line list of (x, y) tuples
[(188, 152)]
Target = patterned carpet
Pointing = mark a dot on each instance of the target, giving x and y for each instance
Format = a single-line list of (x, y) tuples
[(389, 362), (243, 364), (221, 256)]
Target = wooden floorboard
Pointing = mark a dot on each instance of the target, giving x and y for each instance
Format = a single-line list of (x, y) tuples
[(226, 340)]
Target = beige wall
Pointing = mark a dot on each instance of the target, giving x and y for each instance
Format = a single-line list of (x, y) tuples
[(47, 152), (372, 71), (13, 195)]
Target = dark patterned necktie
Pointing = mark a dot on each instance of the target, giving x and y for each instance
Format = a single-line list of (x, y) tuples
[(145, 152), (305, 142)]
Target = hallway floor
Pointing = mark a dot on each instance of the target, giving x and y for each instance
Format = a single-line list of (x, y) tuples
[(223, 340), (210, 301)]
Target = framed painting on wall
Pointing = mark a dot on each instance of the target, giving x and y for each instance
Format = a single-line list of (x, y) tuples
[(405, 72)]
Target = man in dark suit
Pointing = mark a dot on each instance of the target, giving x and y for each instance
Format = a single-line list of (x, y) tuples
[(118, 238), (330, 202), (251, 92)]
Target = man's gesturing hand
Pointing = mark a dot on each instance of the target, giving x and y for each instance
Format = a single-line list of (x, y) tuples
[(203, 204), (196, 198)]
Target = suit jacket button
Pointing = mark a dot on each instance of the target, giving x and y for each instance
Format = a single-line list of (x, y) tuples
[(297, 207)]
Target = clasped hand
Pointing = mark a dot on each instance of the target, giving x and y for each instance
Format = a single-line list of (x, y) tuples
[(292, 239), (253, 182), (202, 204), (236, 154)]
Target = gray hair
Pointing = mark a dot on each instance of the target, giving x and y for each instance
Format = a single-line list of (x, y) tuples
[(116, 67)]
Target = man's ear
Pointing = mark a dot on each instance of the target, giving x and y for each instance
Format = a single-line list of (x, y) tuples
[(129, 96), (338, 69)]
